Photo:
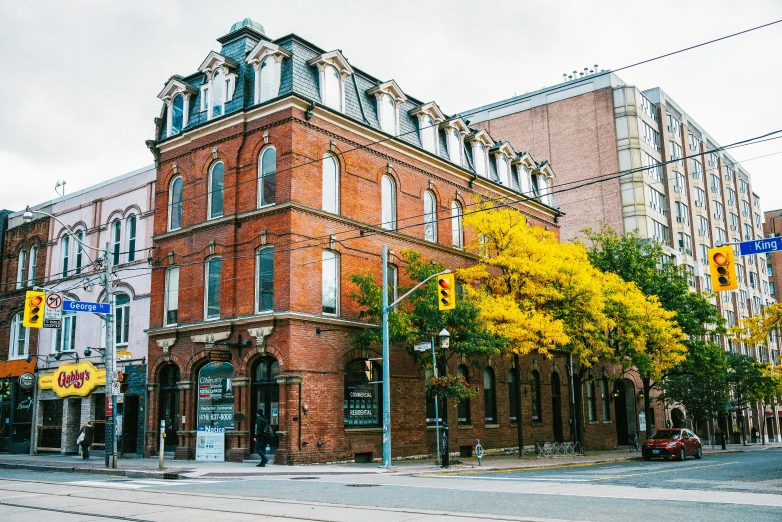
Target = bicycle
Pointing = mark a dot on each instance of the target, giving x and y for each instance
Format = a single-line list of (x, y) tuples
[(635, 444)]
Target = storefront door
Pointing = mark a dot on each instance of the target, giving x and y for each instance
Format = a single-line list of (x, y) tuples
[(169, 405), (266, 395), (5, 425)]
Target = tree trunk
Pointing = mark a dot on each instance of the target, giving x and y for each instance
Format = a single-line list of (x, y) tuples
[(578, 407), (647, 407)]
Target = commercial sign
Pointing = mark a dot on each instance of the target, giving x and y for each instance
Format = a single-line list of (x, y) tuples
[(124, 355), (27, 380), (210, 443), (218, 355), (761, 246), (85, 306), (52, 311), (216, 395), (73, 379)]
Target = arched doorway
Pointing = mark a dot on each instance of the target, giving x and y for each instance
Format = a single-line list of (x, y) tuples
[(556, 407), (624, 406), (677, 418), (169, 404), (266, 394)]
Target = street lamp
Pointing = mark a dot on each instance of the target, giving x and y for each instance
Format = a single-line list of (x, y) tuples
[(445, 339)]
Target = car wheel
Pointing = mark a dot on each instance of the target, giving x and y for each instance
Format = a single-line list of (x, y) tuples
[(699, 453), (682, 455)]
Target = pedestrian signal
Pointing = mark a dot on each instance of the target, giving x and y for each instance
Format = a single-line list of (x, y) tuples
[(446, 292), (723, 271), (33, 309)]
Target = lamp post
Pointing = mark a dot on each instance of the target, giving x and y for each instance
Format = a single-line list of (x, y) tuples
[(111, 432), (386, 308)]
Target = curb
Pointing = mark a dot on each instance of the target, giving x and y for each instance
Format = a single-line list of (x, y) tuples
[(129, 473)]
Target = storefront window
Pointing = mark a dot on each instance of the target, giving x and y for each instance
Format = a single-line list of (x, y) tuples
[(216, 395), (50, 431), (363, 394), (99, 422)]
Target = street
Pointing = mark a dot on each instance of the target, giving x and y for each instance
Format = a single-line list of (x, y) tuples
[(731, 486)]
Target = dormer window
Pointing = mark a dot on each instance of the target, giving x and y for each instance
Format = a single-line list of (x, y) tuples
[(389, 97), (218, 87), (545, 177), (480, 143), (176, 94), (524, 163), (454, 131), (266, 58), (334, 70), (502, 153), (429, 115)]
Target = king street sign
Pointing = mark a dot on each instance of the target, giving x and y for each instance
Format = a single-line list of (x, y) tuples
[(761, 246)]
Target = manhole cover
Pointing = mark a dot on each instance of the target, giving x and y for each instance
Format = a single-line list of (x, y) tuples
[(362, 485), (305, 478)]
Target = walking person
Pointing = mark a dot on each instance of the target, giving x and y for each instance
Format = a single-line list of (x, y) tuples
[(261, 436), (85, 439)]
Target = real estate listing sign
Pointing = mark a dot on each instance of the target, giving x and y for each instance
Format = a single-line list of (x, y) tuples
[(216, 395)]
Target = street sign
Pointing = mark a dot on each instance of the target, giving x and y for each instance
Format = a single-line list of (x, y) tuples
[(124, 355), (422, 347), (114, 376), (115, 388), (761, 246), (52, 311), (85, 306)]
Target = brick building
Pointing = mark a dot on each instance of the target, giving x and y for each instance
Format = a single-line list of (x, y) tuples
[(47, 254), (678, 189), (282, 170)]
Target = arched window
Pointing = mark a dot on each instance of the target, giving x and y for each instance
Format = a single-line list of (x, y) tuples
[(525, 180), (212, 294), (330, 184), (363, 394), (175, 204), (177, 114), (513, 396), (535, 187), (218, 92), (457, 234), (32, 269), (454, 146), (332, 88), (116, 241), (604, 398), (479, 158), (591, 400), (545, 192), (122, 319), (463, 408), (20, 340), (502, 170), (216, 173), (330, 287), (514, 178), (428, 133), (172, 295), (21, 269), (79, 250), (489, 397), (388, 204), (265, 269), (131, 232), (66, 249), (269, 79), (387, 113), (430, 216), (267, 177), (169, 404), (535, 396)]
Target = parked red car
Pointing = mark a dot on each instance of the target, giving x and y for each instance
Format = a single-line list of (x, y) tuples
[(675, 443)]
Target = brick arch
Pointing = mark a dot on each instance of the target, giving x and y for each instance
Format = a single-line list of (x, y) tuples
[(338, 154), (160, 363), (169, 177), (261, 144), (357, 353), (433, 188), (210, 160), (196, 361), (250, 358), (390, 171)]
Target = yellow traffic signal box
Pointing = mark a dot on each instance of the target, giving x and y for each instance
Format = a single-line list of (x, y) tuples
[(723, 268), (33, 309), (446, 292)]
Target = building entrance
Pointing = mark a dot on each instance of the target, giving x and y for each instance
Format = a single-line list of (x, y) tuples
[(556, 407), (266, 395), (169, 405), (624, 405)]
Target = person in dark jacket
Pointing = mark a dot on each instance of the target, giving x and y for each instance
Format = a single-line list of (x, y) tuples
[(86, 441), (261, 436)]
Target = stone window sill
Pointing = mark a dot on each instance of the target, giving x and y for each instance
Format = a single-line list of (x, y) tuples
[(491, 426), (537, 423), (464, 427), (363, 430)]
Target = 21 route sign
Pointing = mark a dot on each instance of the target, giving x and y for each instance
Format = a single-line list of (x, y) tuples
[(761, 246)]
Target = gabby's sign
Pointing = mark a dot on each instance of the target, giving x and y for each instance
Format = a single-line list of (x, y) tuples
[(73, 379)]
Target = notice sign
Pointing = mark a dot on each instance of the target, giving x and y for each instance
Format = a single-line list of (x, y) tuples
[(641, 421), (216, 395), (210, 443), (52, 312)]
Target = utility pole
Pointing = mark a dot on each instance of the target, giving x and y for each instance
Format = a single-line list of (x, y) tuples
[(110, 358)]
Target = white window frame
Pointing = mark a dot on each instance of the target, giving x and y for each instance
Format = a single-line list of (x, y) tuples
[(389, 122), (261, 177), (210, 192), (131, 230), (455, 146), (388, 202), (335, 210), (503, 170), (480, 157), (430, 218), (119, 325), (32, 269), (169, 293), (336, 257), (59, 341), (18, 333), (268, 73), (116, 242), (457, 230), (21, 269), (427, 126), (207, 293), (79, 251), (171, 202), (65, 247)]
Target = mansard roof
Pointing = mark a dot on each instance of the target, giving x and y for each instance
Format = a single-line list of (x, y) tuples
[(174, 85)]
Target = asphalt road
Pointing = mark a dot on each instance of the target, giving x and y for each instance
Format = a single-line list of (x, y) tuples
[(729, 487)]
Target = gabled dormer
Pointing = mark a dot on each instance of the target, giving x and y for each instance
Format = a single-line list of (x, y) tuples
[(266, 59), (524, 166), (455, 130), (480, 142), (389, 98), (429, 117), (333, 70), (218, 87), (176, 95), (545, 178), (503, 154)]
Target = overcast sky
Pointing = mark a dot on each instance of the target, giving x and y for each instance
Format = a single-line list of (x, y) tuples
[(80, 78)]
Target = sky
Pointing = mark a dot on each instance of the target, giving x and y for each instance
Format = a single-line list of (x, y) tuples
[(81, 78)]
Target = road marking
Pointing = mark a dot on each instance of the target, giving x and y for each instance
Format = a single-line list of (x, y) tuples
[(671, 470), (138, 484)]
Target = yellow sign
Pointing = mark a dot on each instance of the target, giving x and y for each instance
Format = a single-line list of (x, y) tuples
[(73, 379)]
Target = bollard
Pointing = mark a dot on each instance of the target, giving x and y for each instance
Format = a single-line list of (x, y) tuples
[(478, 450), (445, 459), (162, 449)]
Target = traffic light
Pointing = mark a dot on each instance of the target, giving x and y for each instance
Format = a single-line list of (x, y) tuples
[(723, 271), (122, 377), (446, 292), (33, 309)]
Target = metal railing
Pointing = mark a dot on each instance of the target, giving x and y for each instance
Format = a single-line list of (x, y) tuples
[(552, 450)]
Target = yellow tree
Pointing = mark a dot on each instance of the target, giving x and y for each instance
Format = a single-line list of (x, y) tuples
[(756, 330)]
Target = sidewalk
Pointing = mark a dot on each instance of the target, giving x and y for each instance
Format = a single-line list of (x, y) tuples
[(183, 469)]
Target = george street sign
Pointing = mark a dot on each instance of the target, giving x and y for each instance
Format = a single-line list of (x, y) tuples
[(761, 246), (85, 306)]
